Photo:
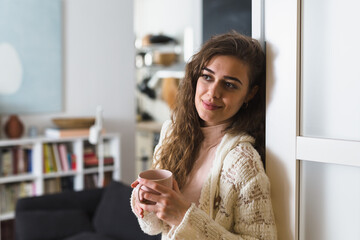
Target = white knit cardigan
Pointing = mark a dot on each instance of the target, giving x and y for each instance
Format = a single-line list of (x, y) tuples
[(235, 199)]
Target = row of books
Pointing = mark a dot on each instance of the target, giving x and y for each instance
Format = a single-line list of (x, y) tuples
[(91, 158), (15, 160), (58, 158), (7, 229), (10, 193), (91, 180), (56, 185)]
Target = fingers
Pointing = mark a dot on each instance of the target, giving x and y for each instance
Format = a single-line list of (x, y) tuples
[(135, 183), (154, 186), (149, 207), (139, 211), (152, 198)]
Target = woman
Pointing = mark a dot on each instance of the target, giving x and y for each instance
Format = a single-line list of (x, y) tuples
[(220, 190)]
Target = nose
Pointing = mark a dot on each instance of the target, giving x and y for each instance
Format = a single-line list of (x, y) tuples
[(214, 90)]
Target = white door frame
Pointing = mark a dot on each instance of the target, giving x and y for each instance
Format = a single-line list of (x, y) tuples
[(284, 145), (282, 32)]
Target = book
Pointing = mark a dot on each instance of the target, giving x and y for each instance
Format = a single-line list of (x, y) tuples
[(56, 156), (1, 164), (67, 132), (46, 159), (15, 161), (90, 181), (7, 165), (63, 157), (52, 185), (28, 153), (10, 193), (7, 229), (21, 165), (67, 183), (73, 161), (91, 160)]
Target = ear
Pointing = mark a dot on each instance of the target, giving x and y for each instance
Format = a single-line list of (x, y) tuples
[(252, 93)]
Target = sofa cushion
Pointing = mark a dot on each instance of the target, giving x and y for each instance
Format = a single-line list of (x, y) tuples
[(114, 217), (48, 225), (88, 236)]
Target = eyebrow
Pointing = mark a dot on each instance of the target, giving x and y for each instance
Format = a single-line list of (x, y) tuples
[(226, 77)]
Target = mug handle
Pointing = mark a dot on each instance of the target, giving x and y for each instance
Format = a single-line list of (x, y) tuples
[(144, 201), (138, 193)]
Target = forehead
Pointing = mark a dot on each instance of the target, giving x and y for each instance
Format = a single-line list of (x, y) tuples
[(227, 64)]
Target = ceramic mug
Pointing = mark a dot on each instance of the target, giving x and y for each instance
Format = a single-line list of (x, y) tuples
[(160, 176)]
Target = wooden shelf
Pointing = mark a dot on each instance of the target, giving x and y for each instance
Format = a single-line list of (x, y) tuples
[(150, 126)]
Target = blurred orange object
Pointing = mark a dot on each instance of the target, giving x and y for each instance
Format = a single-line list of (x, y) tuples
[(169, 91), (81, 122), (164, 58)]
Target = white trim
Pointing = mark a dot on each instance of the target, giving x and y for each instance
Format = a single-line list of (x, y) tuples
[(7, 216), (258, 21), (17, 178), (282, 104), (342, 152)]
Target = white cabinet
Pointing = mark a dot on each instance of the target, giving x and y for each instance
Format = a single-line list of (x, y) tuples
[(147, 137), (30, 175)]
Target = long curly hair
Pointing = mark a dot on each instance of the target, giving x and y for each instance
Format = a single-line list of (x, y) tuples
[(180, 147)]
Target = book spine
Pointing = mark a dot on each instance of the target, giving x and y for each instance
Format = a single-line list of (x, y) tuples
[(47, 167), (52, 158), (29, 160), (1, 163), (63, 156), (21, 160), (15, 160), (56, 156), (7, 165)]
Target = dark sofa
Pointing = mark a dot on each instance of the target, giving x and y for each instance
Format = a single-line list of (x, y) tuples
[(97, 214)]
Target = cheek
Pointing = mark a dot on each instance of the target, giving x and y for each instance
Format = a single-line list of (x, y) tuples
[(234, 104), (199, 91)]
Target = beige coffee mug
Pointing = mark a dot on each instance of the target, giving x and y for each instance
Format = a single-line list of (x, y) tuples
[(160, 176)]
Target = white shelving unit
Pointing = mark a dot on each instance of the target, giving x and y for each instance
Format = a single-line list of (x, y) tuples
[(37, 177)]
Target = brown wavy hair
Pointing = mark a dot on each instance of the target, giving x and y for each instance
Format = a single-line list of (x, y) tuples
[(180, 147)]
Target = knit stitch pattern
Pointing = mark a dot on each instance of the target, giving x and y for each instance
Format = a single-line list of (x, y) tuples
[(234, 203)]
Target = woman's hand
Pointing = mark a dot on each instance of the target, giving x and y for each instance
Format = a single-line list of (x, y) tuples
[(170, 206), (138, 210)]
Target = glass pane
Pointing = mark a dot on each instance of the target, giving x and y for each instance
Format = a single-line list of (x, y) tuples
[(330, 69), (329, 201)]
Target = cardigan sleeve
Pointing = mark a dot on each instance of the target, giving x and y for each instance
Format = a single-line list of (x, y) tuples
[(253, 217), (151, 224)]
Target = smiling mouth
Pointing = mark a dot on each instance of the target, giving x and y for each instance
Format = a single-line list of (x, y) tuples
[(209, 106)]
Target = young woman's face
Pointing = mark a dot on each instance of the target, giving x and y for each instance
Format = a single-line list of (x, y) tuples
[(222, 89)]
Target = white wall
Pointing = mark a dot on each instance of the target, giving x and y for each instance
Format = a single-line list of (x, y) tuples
[(99, 69), (169, 17)]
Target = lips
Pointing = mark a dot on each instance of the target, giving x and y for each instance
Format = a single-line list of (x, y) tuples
[(210, 106)]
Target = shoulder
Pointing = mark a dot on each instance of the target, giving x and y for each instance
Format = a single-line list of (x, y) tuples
[(166, 127), (242, 162)]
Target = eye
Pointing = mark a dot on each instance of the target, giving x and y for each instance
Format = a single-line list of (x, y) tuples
[(206, 77), (230, 85)]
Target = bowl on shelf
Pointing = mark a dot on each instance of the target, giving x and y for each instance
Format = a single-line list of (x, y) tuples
[(164, 58), (80, 122)]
